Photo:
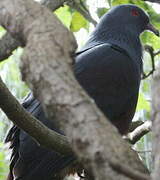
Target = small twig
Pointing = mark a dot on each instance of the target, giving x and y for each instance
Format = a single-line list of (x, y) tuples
[(84, 6), (150, 50), (146, 151), (156, 53), (80, 7), (139, 132)]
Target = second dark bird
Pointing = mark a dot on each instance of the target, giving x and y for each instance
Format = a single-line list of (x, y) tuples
[(109, 68)]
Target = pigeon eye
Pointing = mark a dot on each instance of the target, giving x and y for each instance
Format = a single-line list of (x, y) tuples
[(134, 12)]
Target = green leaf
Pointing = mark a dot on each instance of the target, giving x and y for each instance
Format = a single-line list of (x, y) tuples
[(118, 2), (64, 14), (78, 22), (2, 31), (143, 104), (150, 39), (145, 86), (101, 11)]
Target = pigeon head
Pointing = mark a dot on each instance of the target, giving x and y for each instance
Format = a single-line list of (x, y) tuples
[(122, 26), (129, 17)]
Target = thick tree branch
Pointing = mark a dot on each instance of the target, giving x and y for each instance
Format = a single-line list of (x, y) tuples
[(19, 116), (47, 70), (8, 43), (53, 4), (139, 132), (120, 167), (156, 122)]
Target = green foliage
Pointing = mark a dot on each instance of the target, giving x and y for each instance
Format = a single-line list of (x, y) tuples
[(150, 39), (64, 14), (101, 11), (78, 22), (2, 31), (10, 74), (143, 104), (119, 2), (72, 19)]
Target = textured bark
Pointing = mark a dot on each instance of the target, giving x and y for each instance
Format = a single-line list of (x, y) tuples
[(8, 44), (47, 68), (53, 4), (139, 132), (156, 123)]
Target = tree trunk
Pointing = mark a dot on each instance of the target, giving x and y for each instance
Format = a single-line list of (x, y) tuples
[(156, 123)]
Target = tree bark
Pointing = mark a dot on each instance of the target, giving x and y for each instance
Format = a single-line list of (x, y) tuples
[(47, 68), (156, 123), (139, 132), (8, 44)]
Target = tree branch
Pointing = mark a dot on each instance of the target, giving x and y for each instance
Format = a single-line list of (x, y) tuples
[(8, 43), (19, 116), (157, 53), (150, 50), (47, 70), (122, 168), (53, 4), (156, 122), (139, 132)]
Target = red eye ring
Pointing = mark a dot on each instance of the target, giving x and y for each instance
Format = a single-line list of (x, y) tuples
[(134, 12)]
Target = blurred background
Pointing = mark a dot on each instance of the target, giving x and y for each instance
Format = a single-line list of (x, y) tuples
[(81, 27)]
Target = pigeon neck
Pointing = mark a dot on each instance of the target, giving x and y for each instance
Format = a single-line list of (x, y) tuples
[(128, 41)]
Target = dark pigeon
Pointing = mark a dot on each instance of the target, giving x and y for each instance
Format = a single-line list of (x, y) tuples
[(109, 68)]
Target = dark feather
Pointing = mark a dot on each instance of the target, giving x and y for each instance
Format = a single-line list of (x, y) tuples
[(29, 161)]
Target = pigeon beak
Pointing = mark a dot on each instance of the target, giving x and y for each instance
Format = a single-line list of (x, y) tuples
[(151, 28)]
